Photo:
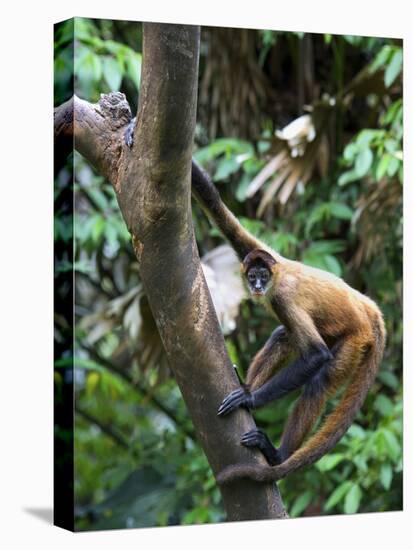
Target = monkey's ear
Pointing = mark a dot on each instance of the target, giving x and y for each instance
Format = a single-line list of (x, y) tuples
[(256, 255)]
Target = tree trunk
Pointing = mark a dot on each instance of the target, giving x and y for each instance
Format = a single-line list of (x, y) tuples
[(152, 183)]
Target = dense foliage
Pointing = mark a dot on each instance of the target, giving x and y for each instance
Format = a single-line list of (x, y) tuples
[(327, 191)]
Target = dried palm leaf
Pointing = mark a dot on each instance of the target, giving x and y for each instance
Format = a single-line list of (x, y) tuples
[(373, 217)]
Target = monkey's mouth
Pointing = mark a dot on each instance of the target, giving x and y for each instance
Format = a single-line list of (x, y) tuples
[(256, 292)]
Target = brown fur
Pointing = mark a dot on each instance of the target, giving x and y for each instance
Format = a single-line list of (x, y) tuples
[(267, 362), (316, 308)]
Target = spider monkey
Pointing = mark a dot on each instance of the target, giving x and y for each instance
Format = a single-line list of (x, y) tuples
[(331, 336)]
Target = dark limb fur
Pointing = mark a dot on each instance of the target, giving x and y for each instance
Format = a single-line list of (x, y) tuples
[(208, 197), (364, 358), (286, 381), (305, 414), (257, 438), (292, 377)]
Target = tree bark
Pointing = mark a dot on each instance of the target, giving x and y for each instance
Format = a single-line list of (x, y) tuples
[(153, 186)]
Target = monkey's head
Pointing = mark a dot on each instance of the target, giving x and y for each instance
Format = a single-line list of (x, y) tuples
[(257, 267)]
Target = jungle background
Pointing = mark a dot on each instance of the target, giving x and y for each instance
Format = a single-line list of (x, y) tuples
[(302, 134)]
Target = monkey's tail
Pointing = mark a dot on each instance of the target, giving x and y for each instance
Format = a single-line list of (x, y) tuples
[(208, 197), (333, 429)]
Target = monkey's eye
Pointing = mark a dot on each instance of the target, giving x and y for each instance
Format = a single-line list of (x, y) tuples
[(264, 276), (251, 277)]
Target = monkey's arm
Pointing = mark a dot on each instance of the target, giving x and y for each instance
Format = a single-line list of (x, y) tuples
[(313, 355)]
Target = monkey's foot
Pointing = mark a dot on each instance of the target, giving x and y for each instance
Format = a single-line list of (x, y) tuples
[(237, 398), (257, 438)]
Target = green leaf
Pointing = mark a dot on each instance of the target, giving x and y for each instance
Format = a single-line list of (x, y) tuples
[(114, 47), (253, 226), (352, 500), (283, 242), (389, 379), (300, 504), (337, 495), (332, 265), (91, 382), (383, 405), (393, 112), (366, 136), (228, 146), (381, 58), (356, 431), (83, 266), (242, 187), (400, 174), (226, 167), (394, 68), (354, 40), (361, 463), (340, 210), (382, 166), (133, 67), (327, 247), (391, 145), (393, 166), (393, 446), (347, 177), (350, 152), (363, 162), (97, 197), (328, 462), (111, 235), (98, 228), (112, 73), (386, 476), (89, 67)]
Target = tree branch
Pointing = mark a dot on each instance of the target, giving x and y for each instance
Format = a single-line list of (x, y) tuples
[(95, 129), (140, 389), (105, 428)]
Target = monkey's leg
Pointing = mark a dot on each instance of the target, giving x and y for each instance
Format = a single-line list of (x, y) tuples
[(258, 439), (270, 359), (300, 423), (292, 377), (311, 403), (306, 412)]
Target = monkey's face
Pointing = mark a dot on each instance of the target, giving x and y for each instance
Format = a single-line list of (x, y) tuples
[(259, 280)]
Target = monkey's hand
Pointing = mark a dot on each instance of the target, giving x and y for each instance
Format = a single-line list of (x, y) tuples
[(237, 398), (128, 135)]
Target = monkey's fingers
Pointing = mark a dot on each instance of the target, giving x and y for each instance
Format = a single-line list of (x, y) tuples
[(234, 400), (129, 133)]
